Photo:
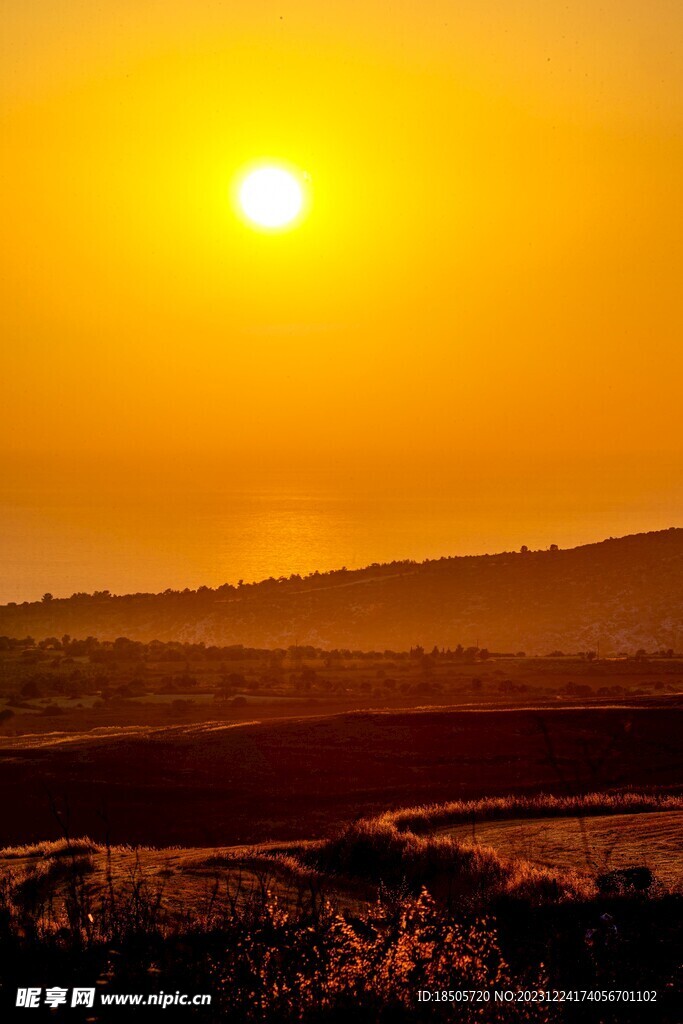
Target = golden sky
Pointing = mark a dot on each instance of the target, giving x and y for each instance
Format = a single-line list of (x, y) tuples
[(488, 274)]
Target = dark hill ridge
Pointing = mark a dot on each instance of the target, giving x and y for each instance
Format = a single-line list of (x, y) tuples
[(622, 594)]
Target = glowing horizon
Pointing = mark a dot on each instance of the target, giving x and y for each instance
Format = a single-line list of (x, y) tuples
[(481, 309)]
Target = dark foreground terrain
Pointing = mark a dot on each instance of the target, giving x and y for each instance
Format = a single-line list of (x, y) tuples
[(362, 925), (256, 832), (219, 784)]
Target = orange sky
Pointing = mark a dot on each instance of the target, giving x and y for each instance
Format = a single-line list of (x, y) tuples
[(486, 285)]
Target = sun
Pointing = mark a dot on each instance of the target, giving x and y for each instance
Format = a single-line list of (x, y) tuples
[(271, 197)]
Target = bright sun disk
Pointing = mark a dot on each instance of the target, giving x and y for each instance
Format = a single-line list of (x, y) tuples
[(271, 197)]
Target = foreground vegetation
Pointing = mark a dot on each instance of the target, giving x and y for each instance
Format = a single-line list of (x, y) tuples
[(263, 961), (541, 805), (356, 924)]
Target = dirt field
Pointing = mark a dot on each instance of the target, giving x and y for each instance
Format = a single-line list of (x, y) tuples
[(588, 844), (215, 784)]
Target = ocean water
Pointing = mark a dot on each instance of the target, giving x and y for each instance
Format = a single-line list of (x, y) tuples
[(65, 543)]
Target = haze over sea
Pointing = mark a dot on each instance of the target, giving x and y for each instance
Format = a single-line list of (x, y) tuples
[(65, 535)]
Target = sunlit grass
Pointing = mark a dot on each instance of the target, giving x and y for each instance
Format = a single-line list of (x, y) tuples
[(427, 817), (352, 925)]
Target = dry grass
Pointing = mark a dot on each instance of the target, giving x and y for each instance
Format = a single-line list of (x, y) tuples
[(51, 848), (376, 851), (543, 805), (393, 850), (263, 959), (428, 912), (594, 844), (179, 882), (388, 852)]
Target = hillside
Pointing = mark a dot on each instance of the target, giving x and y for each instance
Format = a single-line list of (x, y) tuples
[(622, 594)]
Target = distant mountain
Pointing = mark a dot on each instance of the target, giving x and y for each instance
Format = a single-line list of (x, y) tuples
[(622, 594)]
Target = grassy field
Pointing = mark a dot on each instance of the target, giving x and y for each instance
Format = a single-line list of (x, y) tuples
[(180, 883), (588, 844), (559, 855)]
